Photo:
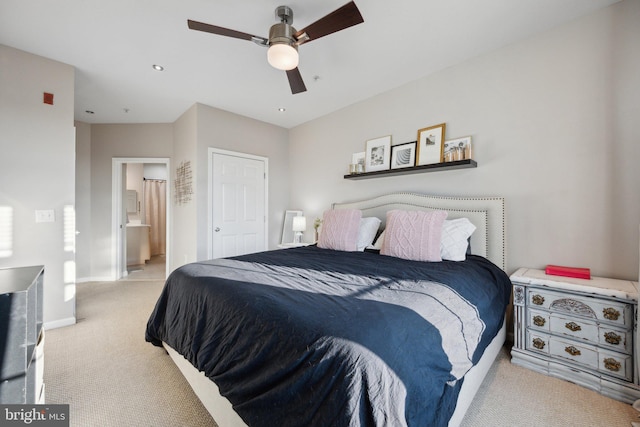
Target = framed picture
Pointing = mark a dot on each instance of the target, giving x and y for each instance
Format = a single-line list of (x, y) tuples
[(430, 145), (403, 155), (287, 226), (378, 154), (457, 149)]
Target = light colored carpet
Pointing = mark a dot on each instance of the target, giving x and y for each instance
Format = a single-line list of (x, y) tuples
[(110, 376), (514, 396), (103, 368)]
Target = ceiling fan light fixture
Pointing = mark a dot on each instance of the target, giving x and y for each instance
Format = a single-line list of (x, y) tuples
[(283, 56), (283, 52)]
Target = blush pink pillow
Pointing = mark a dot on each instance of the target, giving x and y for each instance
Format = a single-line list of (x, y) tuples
[(340, 229), (413, 235)]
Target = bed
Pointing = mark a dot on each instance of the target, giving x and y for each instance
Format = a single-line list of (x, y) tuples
[(315, 336)]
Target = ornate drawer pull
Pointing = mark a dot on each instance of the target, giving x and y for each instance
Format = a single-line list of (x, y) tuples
[(573, 326), (612, 338), (538, 343), (611, 313), (537, 299), (572, 351), (539, 320), (612, 364)]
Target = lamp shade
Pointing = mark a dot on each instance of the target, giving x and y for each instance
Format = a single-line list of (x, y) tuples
[(299, 223), (282, 56)]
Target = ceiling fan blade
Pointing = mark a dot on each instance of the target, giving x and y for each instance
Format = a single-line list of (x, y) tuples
[(295, 81), (213, 29), (341, 18)]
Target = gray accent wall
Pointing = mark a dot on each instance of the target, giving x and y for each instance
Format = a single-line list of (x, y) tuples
[(554, 124)]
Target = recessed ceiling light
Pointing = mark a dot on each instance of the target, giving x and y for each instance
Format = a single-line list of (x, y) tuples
[(282, 109), (158, 67), (89, 112)]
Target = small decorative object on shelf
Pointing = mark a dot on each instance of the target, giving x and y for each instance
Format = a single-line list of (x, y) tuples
[(355, 168), (357, 163), (457, 149)]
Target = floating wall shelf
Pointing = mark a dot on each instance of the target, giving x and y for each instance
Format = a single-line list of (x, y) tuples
[(445, 166)]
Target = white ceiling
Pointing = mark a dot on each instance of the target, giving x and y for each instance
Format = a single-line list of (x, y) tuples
[(113, 44)]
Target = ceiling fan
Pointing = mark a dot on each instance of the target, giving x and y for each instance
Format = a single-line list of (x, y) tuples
[(284, 40)]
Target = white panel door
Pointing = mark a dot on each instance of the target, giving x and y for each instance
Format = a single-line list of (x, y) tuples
[(238, 205)]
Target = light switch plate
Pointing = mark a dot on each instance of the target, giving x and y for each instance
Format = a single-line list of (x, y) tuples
[(45, 215)]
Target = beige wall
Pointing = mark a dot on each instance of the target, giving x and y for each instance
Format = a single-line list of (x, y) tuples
[(188, 139), (185, 230), (229, 131), (83, 200), (109, 141), (37, 172), (552, 125)]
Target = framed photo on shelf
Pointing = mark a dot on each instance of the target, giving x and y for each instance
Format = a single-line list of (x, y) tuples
[(403, 155), (430, 145), (457, 149), (378, 154)]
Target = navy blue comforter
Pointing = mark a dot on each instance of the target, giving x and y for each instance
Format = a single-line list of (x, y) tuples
[(315, 337)]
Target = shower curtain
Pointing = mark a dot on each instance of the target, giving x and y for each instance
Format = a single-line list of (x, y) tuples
[(155, 202)]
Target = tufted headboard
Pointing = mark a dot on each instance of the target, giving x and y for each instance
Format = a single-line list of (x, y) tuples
[(486, 213)]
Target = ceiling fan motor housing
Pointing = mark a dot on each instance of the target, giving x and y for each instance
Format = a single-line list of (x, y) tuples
[(284, 14), (282, 34)]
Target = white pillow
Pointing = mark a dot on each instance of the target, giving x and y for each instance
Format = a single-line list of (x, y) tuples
[(379, 241), (367, 231), (455, 235)]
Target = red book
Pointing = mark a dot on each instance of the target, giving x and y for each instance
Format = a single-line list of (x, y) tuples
[(558, 270)]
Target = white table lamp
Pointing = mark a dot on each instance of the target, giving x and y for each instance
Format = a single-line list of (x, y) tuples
[(299, 226)]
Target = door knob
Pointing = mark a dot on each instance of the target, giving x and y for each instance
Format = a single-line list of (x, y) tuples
[(217, 229)]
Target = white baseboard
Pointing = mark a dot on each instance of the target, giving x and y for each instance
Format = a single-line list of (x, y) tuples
[(59, 323), (95, 279)]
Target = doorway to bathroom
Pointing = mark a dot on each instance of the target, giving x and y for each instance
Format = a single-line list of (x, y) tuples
[(141, 218)]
